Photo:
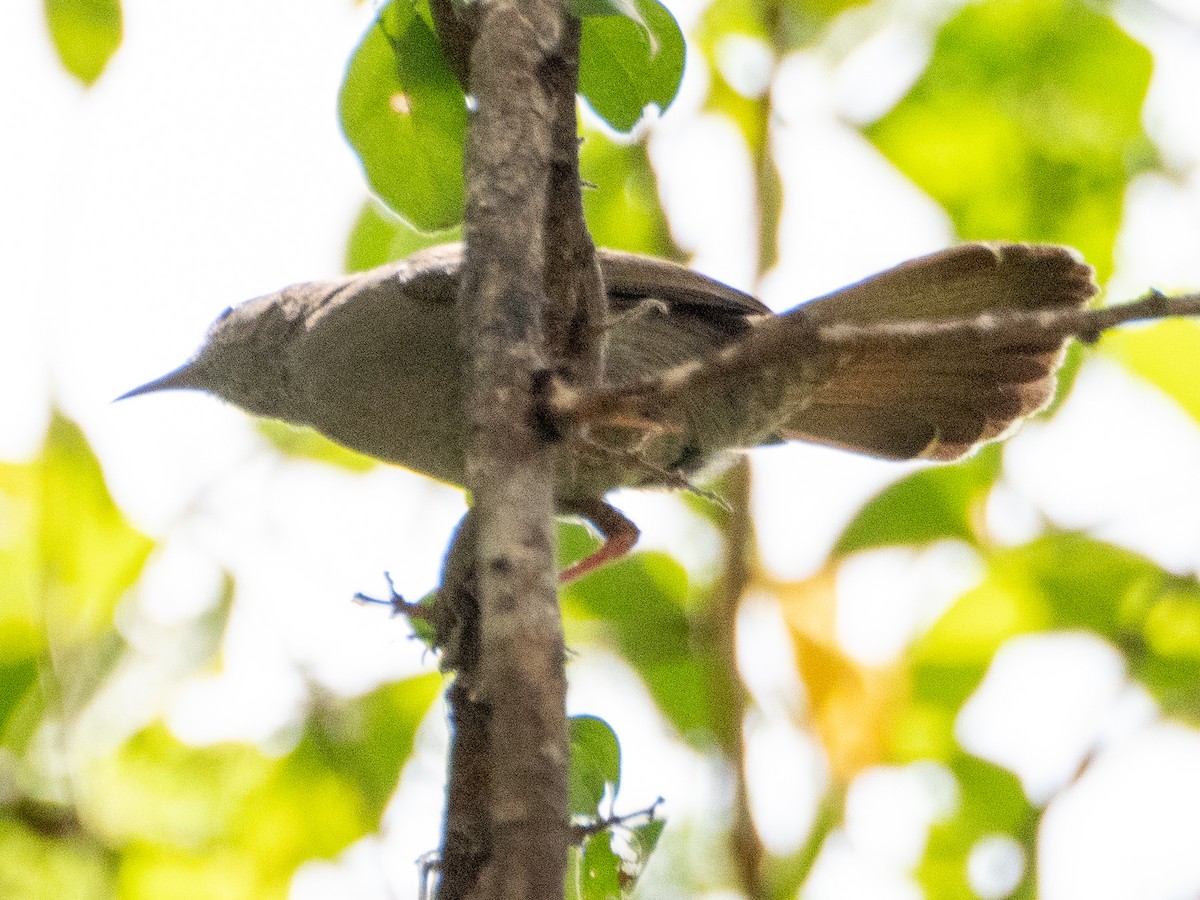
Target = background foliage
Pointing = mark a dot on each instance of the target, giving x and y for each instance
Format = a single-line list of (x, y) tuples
[(1025, 123)]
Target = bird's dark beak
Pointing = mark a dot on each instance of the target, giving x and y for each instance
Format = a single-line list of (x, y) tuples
[(183, 378)]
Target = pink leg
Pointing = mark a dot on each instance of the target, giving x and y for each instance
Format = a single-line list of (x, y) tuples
[(618, 532)]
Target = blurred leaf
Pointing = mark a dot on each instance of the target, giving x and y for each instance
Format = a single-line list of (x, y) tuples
[(950, 660), (229, 815), (1079, 581), (16, 680), (852, 705), (1062, 581), (573, 881), (19, 652), (305, 443), (1027, 123), (742, 42), (637, 605), (623, 209), (86, 33), (575, 541), (155, 789), (39, 866), (1172, 626), (744, 18), (790, 873), (930, 505), (404, 113), (990, 802), (379, 237), (1164, 653), (624, 66), (422, 627), (67, 555), (1150, 615), (369, 739), (151, 871), (595, 764), (726, 27), (824, 9), (88, 554), (1166, 355)]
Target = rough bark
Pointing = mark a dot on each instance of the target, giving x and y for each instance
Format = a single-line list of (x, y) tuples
[(529, 304)]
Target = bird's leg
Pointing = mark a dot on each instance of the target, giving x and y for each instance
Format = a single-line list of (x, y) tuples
[(618, 532)]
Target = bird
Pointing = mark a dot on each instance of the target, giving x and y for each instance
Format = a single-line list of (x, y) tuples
[(372, 360)]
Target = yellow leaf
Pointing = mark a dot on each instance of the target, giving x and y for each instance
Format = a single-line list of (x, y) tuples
[(852, 705)]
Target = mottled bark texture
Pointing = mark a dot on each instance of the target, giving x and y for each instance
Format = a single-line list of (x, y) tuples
[(530, 304)]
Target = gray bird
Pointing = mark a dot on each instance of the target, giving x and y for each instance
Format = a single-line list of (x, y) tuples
[(372, 361)]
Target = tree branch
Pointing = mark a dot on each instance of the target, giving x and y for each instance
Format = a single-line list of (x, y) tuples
[(530, 298), (793, 337)]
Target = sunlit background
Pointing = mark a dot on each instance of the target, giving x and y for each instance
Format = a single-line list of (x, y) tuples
[(206, 166)]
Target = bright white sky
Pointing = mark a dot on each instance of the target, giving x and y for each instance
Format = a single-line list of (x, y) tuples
[(207, 167)]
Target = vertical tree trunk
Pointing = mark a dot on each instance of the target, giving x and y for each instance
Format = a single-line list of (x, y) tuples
[(529, 304)]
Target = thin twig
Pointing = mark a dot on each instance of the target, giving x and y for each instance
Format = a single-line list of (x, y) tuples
[(598, 826), (792, 335)]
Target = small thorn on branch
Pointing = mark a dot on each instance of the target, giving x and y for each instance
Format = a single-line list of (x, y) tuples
[(396, 602)]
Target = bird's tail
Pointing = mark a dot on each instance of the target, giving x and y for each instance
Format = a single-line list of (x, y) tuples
[(942, 400)]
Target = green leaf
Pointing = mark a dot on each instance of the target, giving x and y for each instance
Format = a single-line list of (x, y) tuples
[(1081, 583), (990, 802), (21, 648), (404, 113), (600, 871), (17, 679), (228, 820), (1061, 581), (156, 789), (644, 838), (1165, 354), (822, 10), (1164, 652), (573, 880), (637, 607), (1149, 614), (723, 23), (67, 554), (624, 67), (86, 33), (36, 866), (1027, 124), (595, 764), (932, 504), (585, 9), (379, 237), (623, 209), (369, 739), (154, 870)]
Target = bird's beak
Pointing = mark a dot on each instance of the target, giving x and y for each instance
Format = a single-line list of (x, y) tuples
[(184, 378)]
